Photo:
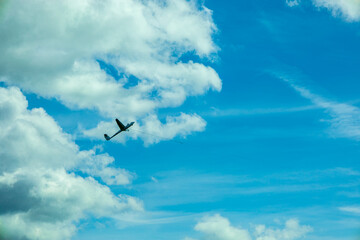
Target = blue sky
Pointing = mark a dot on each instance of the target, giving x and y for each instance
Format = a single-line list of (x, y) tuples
[(256, 135)]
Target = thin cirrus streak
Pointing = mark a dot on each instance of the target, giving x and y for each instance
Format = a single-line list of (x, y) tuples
[(350, 209), (344, 118)]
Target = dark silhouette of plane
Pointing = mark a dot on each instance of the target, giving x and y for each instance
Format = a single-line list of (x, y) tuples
[(122, 128)]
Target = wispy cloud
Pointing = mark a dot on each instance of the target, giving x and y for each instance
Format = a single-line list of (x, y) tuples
[(234, 112), (351, 209), (345, 118), (292, 3), (184, 187)]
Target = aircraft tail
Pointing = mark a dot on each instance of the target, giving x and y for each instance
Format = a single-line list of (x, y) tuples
[(129, 125), (107, 137)]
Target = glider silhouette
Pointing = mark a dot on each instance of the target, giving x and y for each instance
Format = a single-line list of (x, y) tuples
[(122, 128)]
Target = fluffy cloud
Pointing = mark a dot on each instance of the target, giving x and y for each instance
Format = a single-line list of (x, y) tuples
[(41, 196), (349, 9), (152, 130), (292, 230), (219, 228), (68, 56)]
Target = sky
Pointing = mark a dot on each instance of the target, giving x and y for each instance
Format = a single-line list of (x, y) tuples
[(247, 119)]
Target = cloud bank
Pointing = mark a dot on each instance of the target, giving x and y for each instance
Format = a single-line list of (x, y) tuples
[(121, 58), (124, 59), (41, 196), (217, 227)]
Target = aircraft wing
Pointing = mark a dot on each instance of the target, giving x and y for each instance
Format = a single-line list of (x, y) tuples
[(121, 126), (108, 138)]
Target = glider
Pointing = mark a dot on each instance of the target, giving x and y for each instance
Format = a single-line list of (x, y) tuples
[(122, 128)]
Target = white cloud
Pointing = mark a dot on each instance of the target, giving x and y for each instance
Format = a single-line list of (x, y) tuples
[(55, 55), (40, 196), (217, 227), (292, 230), (214, 112), (292, 3), (32, 134), (351, 209), (97, 165), (181, 125), (349, 9), (185, 187), (152, 130), (345, 118)]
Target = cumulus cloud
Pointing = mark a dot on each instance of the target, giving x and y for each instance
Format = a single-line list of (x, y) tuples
[(41, 196), (152, 130), (183, 125), (68, 56), (345, 118), (292, 230), (349, 9), (217, 227)]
